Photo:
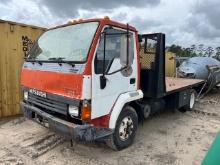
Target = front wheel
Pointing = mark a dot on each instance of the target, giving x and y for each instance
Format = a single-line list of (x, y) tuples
[(125, 130)]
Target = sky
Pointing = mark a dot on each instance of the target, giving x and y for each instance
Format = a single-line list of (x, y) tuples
[(185, 22)]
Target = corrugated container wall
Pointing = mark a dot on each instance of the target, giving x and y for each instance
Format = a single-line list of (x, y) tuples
[(15, 40), (170, 64)]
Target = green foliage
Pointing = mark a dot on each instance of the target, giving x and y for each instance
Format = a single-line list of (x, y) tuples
[(195, 51), (217, 55), (181, 51)]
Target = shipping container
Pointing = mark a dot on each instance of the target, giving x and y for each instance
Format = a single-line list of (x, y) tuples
[(15, 41), (170, 63)]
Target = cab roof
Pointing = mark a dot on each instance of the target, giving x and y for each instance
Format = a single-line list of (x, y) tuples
[(102, 21)]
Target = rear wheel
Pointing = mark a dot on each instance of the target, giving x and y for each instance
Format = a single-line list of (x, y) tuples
[(125, 130), (191, 103), (146, 111)]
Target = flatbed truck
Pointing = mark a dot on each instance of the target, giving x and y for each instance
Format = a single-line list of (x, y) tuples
[(95, 79)]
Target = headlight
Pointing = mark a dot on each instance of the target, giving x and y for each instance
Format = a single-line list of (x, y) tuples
[(25, 95), (73, 111)]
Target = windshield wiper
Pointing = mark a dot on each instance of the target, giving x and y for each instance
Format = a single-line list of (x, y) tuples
[(56, 58), (32, 60), (60, 60)]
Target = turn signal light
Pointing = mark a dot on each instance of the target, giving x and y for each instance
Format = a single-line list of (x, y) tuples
[(86, 112), (72, 21), (106, 17)]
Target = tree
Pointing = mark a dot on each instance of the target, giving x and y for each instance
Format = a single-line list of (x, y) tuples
[(217, 55), (193, 50), (209, 51), (180, 51), (187, 52), (175, 49), (201, 50)]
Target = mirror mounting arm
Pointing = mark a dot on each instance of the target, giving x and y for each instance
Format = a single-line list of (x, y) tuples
[(127, 62), (103, 71), (102, 77), (119, 70)]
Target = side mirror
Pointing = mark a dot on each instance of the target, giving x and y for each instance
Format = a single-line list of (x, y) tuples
[(102, 82), (126, 54), (126, 58)]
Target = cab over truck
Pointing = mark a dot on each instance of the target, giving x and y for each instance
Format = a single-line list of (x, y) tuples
[(96, 79)]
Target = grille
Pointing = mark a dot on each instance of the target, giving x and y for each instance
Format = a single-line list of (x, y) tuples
[(48, 104)]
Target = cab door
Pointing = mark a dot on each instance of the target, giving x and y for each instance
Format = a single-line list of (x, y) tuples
[(110, 60)]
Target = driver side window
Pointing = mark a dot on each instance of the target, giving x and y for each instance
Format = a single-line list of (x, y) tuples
[(113, 49)]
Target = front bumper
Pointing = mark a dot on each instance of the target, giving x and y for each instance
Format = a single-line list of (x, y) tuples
[(67, 129)]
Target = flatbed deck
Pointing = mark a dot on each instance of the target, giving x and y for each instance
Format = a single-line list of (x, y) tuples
[(174, 84)]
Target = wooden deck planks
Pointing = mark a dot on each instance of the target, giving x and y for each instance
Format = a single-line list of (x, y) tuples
[(177, 83)]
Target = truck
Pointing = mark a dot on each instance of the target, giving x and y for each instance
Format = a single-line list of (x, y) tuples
[(97, 79)]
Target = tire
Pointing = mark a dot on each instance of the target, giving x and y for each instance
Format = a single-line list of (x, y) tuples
[(124, 134), (146, 111), (191, 103)]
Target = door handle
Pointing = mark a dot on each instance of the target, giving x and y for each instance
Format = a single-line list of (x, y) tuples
[(132, 80)]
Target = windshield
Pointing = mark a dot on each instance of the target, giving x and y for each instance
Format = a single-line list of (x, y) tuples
[(69, 43)]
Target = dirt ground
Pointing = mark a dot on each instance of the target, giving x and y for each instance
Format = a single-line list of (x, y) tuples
[(165, 138)]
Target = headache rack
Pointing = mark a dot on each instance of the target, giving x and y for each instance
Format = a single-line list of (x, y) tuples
[(152, 59)]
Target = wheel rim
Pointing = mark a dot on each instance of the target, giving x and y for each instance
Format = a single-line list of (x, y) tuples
[(126, 128), (147, 110), (192, 100)]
